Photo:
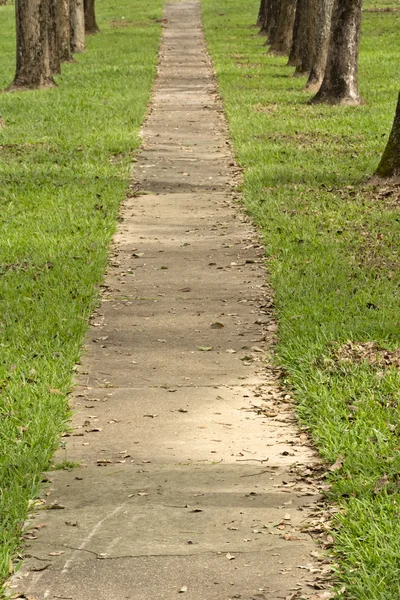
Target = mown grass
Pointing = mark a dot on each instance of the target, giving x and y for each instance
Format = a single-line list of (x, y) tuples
[(65, 155), (333, 254)]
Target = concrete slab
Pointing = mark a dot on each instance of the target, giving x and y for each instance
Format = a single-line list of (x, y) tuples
[(187, 445)]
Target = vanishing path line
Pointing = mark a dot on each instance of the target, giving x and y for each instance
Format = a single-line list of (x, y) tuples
[(185, 440)]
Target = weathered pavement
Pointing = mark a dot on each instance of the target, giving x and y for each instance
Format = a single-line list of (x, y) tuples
[(182, 484)]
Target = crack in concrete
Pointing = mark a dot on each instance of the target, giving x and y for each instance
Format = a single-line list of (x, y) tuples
[(220, 553), (153, 335)]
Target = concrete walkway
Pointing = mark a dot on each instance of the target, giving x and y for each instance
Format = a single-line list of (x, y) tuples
[(185, 486)]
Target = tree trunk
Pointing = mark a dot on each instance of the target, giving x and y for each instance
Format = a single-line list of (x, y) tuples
[(90, 17), (281, 36), (340, 83), (64, 31), (33, 59), (263, 16), (54, 37), (306, 38), (295, 47), (272, 14), (77, 24), (390, 161), (321, 44), (261, 10)]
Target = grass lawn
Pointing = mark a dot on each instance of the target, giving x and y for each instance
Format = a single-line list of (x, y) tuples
[(65, 155), (332, 246)]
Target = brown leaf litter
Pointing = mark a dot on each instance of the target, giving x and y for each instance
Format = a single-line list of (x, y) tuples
[(367, 352)]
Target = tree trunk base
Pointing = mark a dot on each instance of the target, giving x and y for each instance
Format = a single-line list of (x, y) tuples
[(337, 101), (272, 52), (312, 87), (92, 31), (381, 180), (298, 73), (17, 86)]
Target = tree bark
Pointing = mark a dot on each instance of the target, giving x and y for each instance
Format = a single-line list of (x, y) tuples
[(261, 10), (54, 37), (390, 161), (294, 50), (64, 31), (340, 83), (264, 16), (273, 15), (281, 35), (90, 17), (321, 44), (305, 38), (33, 58), (77, 24)]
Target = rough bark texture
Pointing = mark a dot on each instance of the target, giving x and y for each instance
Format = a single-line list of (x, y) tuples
[(54, 36), (33, 64), (77, 24), (273, 15), (90, 17), (281, 36), (263, 16), (321, 44), (261, 10), (306, 38), (390, 161), (64, 31), (340, 83), (295, 47)]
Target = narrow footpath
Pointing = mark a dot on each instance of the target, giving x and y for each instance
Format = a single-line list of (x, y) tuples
[(185, 440)]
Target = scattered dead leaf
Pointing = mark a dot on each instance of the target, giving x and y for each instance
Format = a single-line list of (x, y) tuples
[(338, 464)]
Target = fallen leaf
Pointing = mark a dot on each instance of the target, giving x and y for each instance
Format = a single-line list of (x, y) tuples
[(40, 568), (55, 506), (382, 483), (186, 289), (204, 348), (337, 465)]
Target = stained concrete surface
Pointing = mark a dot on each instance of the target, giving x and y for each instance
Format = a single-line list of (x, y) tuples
[(184, 485)]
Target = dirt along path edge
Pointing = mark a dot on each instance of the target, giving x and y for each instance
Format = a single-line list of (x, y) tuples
[(194, 477)]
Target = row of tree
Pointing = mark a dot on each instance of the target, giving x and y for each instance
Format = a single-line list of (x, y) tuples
[(321, 39), (49, 32)]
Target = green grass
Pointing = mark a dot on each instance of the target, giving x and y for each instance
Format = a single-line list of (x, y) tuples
[(333, 255), (65, 155)]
